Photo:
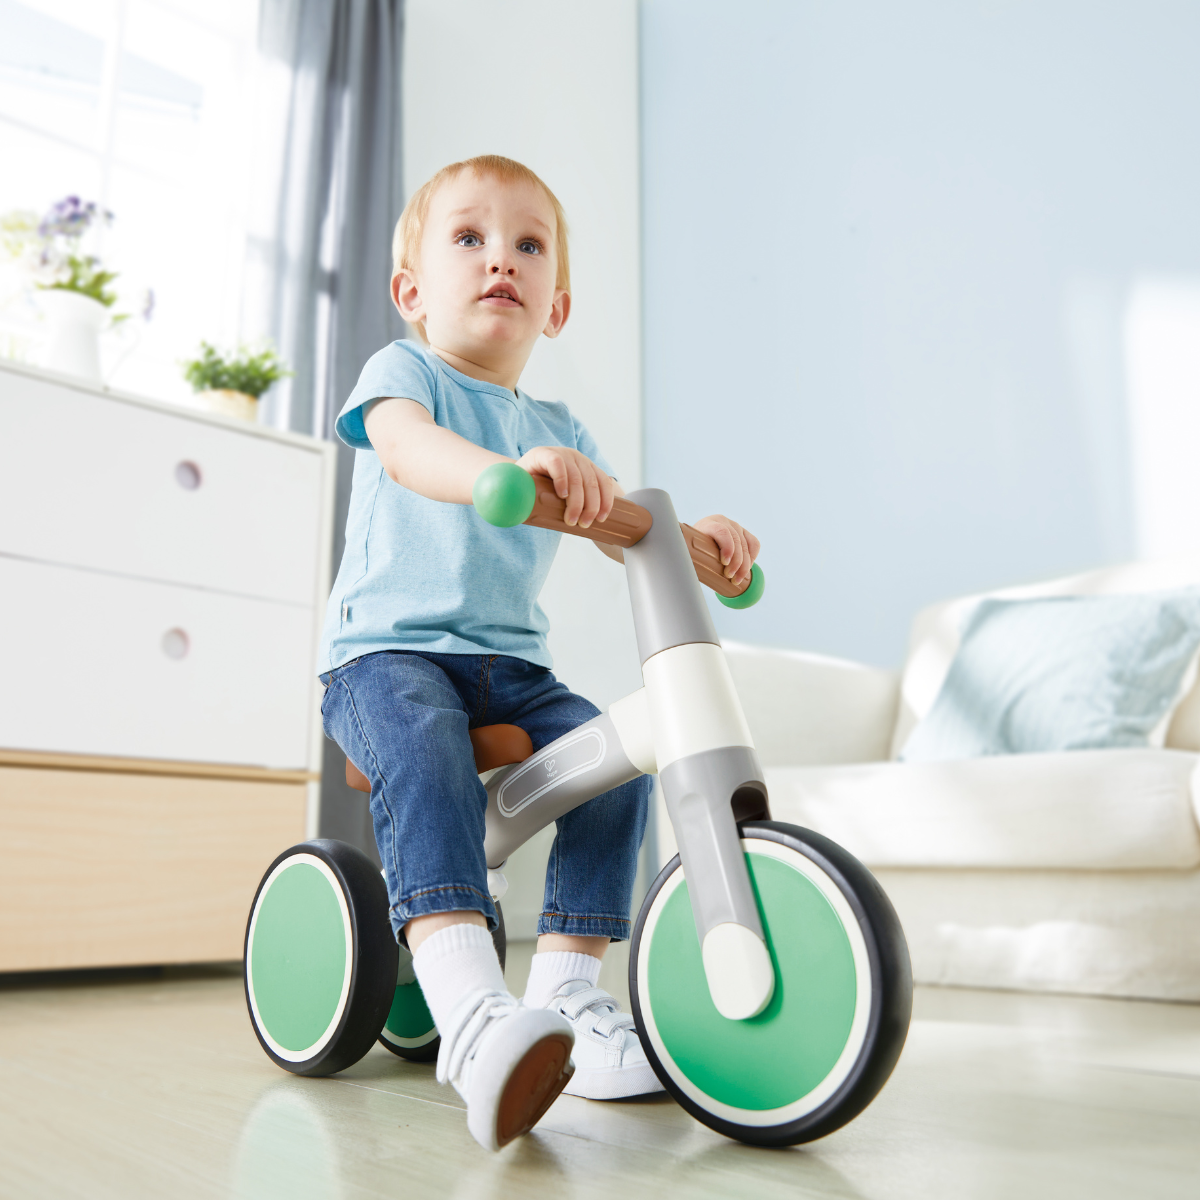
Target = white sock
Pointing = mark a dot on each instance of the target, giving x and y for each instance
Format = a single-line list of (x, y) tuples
[(551, 969), (453, 962)]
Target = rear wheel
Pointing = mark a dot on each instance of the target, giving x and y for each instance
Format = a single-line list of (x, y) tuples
[(320, 959), (823, 1047), (409, 1030)]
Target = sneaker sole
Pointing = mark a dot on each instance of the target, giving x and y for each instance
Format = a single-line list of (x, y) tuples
[(614, 1083), (534, 1085)]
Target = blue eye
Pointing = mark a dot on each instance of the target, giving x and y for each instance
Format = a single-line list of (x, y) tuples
[(469, 240), (529, 247)]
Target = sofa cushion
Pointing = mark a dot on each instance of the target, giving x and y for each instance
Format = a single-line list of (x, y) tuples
[(1063, 673), (1083, 810), (935, 636)]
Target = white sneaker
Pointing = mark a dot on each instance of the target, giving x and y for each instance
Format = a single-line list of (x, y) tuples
[(507, 1062), (609, 1060)]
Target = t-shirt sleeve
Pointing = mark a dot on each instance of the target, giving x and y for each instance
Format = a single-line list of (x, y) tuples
[(397, 370), (586, 444)]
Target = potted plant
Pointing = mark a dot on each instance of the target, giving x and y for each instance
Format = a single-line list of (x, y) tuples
[(232, 383), (73, 286)]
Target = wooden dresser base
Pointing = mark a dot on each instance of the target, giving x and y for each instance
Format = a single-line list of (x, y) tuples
[(103, 868)]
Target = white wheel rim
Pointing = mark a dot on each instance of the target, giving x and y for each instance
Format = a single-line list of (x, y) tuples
[(864, 989), (409, 1043)]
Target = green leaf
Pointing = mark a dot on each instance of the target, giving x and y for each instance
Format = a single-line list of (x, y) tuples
[(243, 370)]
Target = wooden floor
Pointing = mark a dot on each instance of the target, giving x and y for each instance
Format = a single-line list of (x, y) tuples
[(129, 1085)]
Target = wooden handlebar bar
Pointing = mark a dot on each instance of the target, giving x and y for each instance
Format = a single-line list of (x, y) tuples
[(627, 524)]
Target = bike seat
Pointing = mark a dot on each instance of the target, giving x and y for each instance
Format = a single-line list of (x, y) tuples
[(494, 746)]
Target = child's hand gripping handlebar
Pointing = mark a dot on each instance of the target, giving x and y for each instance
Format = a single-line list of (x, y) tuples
[(507, 495)]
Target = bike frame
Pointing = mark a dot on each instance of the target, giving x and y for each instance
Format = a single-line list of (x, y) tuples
[(686, 725)]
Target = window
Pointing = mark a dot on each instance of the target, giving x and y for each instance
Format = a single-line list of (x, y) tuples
[(142, 106)]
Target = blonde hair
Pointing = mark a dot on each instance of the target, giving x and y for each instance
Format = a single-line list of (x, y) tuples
[(406, 241)]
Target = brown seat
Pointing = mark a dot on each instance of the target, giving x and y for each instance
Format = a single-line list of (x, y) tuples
[(494, 746)]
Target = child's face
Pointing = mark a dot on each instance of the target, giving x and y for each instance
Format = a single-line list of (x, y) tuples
[(485, 281)]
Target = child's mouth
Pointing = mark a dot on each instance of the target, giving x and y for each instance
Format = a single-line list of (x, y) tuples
[(501, 298)]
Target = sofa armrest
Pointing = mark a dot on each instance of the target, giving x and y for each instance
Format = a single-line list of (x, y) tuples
[(808, 710)]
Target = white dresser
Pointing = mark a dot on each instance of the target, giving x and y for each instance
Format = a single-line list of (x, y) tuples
[(163, 576)]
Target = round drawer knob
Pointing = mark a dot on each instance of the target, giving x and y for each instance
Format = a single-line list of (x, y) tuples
[(187, 475), (175, 644)]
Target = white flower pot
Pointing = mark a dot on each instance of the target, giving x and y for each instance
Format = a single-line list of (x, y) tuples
[(75, 324), (231, 404)]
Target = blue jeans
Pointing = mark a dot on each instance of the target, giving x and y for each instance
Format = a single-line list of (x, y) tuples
[(402, 719)]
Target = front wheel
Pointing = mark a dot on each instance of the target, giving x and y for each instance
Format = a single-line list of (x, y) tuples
[(825, 1045)]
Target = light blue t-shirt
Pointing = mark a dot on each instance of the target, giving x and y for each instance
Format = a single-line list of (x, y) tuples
[(420, 574)]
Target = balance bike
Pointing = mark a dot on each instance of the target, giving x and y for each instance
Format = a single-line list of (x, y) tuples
[(768, 972)]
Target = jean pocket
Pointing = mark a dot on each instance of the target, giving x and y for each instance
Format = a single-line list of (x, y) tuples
[(329, 678), (338, 672)]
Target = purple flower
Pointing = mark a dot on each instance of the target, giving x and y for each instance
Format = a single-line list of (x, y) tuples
[(72, 218)]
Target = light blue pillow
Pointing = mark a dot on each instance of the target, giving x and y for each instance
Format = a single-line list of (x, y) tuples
[(1062, 673)]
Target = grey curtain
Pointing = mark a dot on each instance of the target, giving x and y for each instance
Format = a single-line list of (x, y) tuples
[(323, 271)]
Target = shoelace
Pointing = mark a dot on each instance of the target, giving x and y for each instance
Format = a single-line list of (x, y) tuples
[(466, 1026), (609, 1017)]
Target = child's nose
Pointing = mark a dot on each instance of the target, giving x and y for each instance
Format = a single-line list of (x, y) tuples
[(501, 261)]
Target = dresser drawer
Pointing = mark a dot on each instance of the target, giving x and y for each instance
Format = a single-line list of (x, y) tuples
[(110, 869), (97, 482), (96, 664)]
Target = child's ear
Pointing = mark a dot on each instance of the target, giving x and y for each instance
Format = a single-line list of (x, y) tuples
[(406, 296), (559, 312)]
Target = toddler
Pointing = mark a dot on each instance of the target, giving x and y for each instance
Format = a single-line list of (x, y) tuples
[(433, 628)]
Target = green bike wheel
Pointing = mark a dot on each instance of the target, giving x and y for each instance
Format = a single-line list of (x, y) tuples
[(825, 1045), (409, 1031), (320, 958)]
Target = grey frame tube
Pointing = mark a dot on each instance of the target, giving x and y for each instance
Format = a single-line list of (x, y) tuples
[(572, 770), (668, 605), (699, 792), (669, 610)]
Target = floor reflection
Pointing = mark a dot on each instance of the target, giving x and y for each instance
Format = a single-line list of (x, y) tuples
[(524, 1167), (285, 1149), (802, 1167)]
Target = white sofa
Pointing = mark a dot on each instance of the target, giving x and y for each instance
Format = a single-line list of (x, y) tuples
[(1075, 872)]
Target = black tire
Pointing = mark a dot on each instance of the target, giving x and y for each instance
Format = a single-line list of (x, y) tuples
[(875, 1014), (319, 958), (408, 1031), (500, 938)]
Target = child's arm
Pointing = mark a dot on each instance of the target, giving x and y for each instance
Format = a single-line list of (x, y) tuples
[(430, 460)]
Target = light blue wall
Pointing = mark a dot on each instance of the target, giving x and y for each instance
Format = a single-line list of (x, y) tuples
[(886, 249)]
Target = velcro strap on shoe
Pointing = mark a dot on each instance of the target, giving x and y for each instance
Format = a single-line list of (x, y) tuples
[(466, 1023), (575, 1005), (610, 1023), (609, 1020)]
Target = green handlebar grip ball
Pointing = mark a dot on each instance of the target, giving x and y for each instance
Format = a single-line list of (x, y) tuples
[(504, 494), (752, 594)]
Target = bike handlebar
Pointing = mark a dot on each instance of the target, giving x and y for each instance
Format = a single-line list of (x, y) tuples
[(507, 495)]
